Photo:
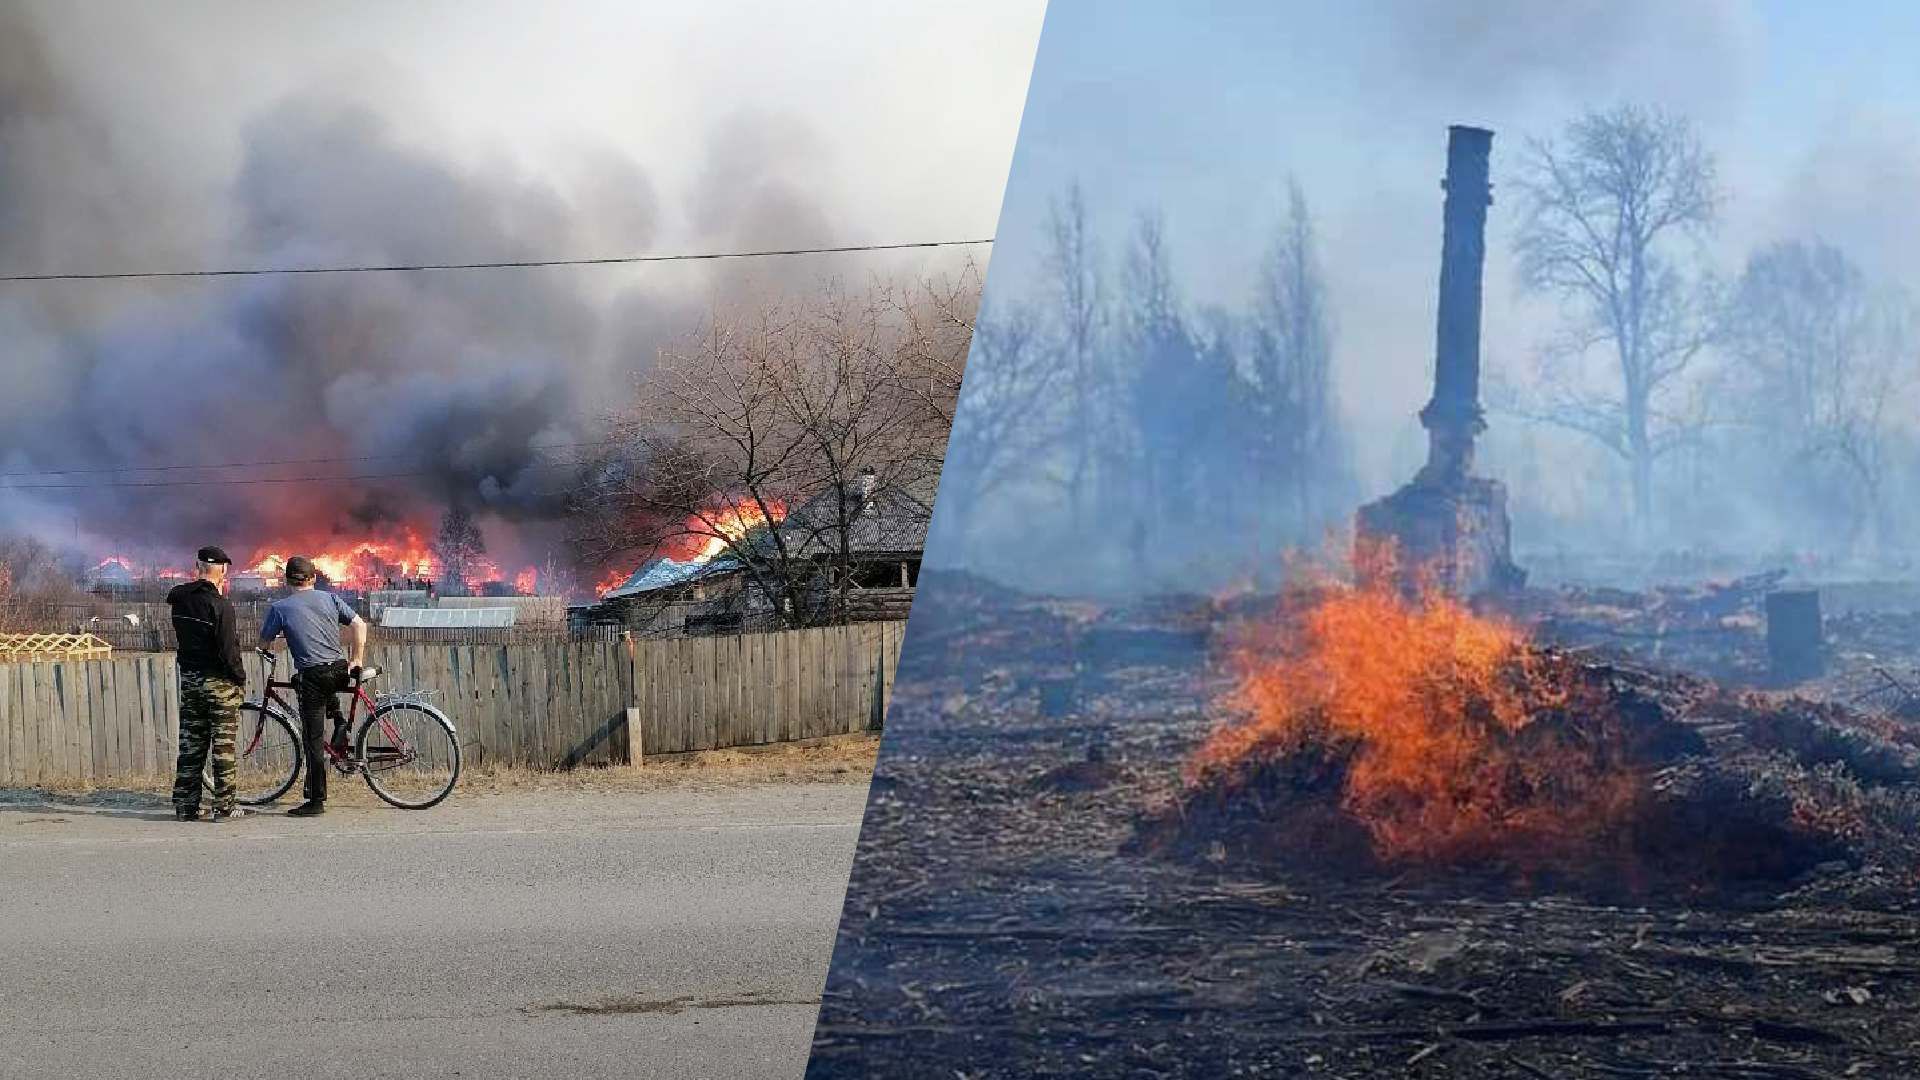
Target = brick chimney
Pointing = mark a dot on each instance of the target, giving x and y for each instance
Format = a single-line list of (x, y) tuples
[(1447, 524)]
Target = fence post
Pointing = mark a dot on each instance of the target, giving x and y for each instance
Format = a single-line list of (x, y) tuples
[(636, 729), (877, 714)]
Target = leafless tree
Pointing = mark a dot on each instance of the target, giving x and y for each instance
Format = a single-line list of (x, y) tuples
[(841, 390), (1823, 361), (700, 449), (458, 546), (778, 412), (1293, 362), (1004, 427), (1605, 209), (32, 585), (937, 319), (1073, 265)]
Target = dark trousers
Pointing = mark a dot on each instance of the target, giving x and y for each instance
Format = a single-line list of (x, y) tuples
[(319, 688)]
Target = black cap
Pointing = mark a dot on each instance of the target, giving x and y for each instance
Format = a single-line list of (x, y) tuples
[(211, 554), (300, 568)]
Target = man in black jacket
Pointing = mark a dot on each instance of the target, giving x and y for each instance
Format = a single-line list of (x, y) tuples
[(212, 683)]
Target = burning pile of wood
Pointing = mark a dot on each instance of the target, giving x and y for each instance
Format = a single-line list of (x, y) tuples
[(1377, 736)]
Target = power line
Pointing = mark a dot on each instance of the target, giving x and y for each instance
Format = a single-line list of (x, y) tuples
[(509, 264), (258, 464), (224, 482)]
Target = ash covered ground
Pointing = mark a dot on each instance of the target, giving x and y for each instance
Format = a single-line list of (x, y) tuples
[(1004, 918)]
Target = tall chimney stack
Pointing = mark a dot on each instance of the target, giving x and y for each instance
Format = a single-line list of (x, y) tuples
[(1453, 417), (1448, 527)]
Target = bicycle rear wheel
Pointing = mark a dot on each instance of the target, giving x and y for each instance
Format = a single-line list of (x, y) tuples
[(409, 754), (267, 745)]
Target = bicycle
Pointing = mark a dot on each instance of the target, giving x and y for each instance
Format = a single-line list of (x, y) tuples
[(406, 749)]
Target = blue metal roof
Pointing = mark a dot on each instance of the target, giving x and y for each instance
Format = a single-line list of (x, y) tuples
[(666, 573)]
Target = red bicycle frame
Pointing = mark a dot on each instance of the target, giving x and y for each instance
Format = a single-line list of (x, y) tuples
[(357, 690)]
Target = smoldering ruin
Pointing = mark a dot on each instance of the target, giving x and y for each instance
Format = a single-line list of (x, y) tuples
[(1482, 745), (1422, 812)]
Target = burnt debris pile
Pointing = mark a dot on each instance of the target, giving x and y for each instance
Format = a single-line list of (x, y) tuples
[(1611, 780)]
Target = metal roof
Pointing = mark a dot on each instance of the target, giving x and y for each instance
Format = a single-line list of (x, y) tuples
[(449, 618), (666, 573)]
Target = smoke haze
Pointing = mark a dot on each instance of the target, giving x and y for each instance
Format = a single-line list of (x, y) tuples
[(1809, 114), (437, 133)]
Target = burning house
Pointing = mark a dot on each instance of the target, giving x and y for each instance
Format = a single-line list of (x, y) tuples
[(847, 554)]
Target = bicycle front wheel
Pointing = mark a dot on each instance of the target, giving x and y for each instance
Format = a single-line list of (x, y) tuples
[(267, 746), (409, 754)]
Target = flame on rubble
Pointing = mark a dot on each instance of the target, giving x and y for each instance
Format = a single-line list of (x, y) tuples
[(1437, 711)]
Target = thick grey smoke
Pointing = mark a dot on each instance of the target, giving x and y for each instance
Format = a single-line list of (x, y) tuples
[(1494, 51), (463, 381)]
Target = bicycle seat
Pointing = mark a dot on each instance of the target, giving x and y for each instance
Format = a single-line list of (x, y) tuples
[(368, 674)]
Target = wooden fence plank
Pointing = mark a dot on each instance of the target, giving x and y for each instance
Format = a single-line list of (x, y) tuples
[(6, 730), (701, 684), (26, 753), (549, 704), (12, 752), (760, 689), (727, 667)]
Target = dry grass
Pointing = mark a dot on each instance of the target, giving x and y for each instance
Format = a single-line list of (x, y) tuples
[(845, 759)]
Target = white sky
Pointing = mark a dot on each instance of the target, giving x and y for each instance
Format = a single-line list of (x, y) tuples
[(901, 119)]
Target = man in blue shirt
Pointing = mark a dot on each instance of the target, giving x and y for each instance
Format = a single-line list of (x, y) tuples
[(311, 620)]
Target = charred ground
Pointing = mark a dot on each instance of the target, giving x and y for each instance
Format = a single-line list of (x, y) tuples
[(1022, 906)]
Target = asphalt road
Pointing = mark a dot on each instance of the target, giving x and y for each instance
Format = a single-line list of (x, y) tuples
[(668, 934)]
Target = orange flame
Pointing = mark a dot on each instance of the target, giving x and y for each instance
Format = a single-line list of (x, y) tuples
[(362, 564), (1437, 709), (706, 536), (709, 533), (613, 580), (372, 563)]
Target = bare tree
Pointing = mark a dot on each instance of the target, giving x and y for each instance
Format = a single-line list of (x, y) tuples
[(937, 317), (1004, 427), (840, 389), (1822, 360), (1160, 353), (756, 440), (1293, 364), (458, 546), (33, 586), (701, 449), (1604, 210), (1073, 264)]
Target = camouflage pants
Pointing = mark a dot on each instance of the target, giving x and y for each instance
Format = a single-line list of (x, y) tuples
[(209, 715)]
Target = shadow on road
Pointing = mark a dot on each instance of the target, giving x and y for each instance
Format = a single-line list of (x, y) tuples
[(105, 802)]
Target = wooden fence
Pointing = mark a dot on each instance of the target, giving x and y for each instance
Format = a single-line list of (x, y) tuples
[(558, 704)]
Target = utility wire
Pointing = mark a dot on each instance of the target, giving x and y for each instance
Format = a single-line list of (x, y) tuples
[(264, 479), (510, 264), (257, 464)]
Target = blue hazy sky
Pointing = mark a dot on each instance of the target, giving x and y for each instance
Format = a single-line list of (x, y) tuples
[(1203, 110)]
